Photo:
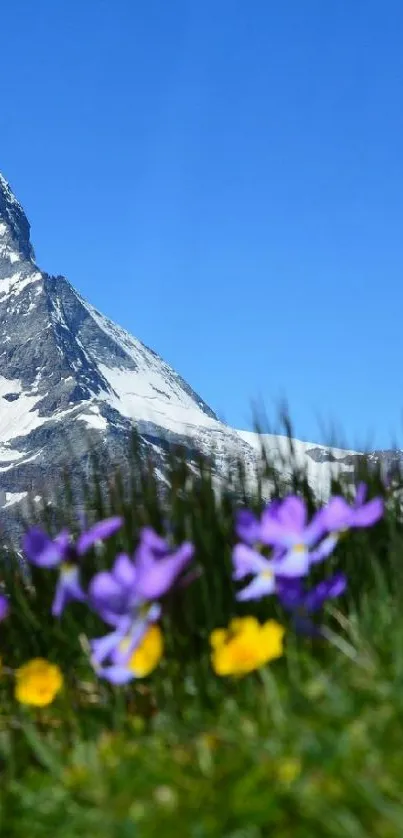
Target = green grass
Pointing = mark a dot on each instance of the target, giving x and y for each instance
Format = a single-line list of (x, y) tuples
[(309, 747)]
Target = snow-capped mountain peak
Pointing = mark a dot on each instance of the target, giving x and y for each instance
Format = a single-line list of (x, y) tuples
[(65, 368)]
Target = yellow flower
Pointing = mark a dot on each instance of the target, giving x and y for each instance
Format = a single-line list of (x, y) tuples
[(148, 654), (38, 682), (246, 645)]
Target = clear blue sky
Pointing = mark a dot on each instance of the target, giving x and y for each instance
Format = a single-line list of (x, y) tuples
[(224, 179)]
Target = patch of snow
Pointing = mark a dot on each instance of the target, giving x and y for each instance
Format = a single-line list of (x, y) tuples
[(14, 284), (30, 308), (160, 476), (318, 474), (9, 385), (18, 418), (146, 395), (28, 459), (14, 497), (93, 419), (9, 454), (152, 378)]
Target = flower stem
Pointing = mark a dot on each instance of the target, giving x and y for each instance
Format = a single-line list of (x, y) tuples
[(346, 648), (272, 696)]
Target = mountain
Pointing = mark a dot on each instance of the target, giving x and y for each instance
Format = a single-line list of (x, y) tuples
[(67, 369)]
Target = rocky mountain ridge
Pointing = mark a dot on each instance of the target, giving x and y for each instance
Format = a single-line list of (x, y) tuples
[(67, 370)]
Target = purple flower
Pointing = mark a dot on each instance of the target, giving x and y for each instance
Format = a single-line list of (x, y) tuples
[(157, 567), (246, 562), (293, 595), (119, 645), (339, 517), (4, 607), (284, 527), (133, 582), (43, 551), (248, 526), (112, 593), (126, 596), (116, 674), (297, 543), (304, 603)]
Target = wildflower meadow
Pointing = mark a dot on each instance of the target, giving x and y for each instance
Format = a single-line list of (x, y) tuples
[(206, 661)]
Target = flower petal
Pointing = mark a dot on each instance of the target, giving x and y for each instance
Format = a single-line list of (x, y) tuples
[(105, 593), (328, 589), (148, 653), (246, 560), (102, 647), (272, 531), (247, 526), (99, 532), (116, 674), (292, 513), (43, 551), (290, 593), (157, 577), (4, 607), (368, 514), (124, 571), (337, 514), (154, 542), (316, 528), (324, 549), (122, 652), (244, 625), (134, 635), (218, 637), (360, 494), (259, 587), (282, 524), (68, 588), (294, 563)]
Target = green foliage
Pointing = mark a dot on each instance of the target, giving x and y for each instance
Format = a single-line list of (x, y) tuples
[(311, 746)]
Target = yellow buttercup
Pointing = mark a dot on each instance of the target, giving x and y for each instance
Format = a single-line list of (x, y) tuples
[(245, 645), (148, 654), (38, 682)]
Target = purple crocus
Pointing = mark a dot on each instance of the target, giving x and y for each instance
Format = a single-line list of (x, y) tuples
[(4, 607), (61, 552), (303, 604), (126, 597)]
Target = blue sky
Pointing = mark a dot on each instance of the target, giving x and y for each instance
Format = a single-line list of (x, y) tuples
[(225, 180)]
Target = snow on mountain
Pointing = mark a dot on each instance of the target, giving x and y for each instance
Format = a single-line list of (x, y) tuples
[(143, 387), (320, 463), (67, 371)]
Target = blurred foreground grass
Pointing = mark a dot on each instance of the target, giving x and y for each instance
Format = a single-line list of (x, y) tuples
[(309, 747)]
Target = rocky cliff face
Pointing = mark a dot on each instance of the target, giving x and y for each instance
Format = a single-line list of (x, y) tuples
[(67, 371)]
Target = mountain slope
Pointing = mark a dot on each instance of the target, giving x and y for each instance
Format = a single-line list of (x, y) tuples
[(65, 369)]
